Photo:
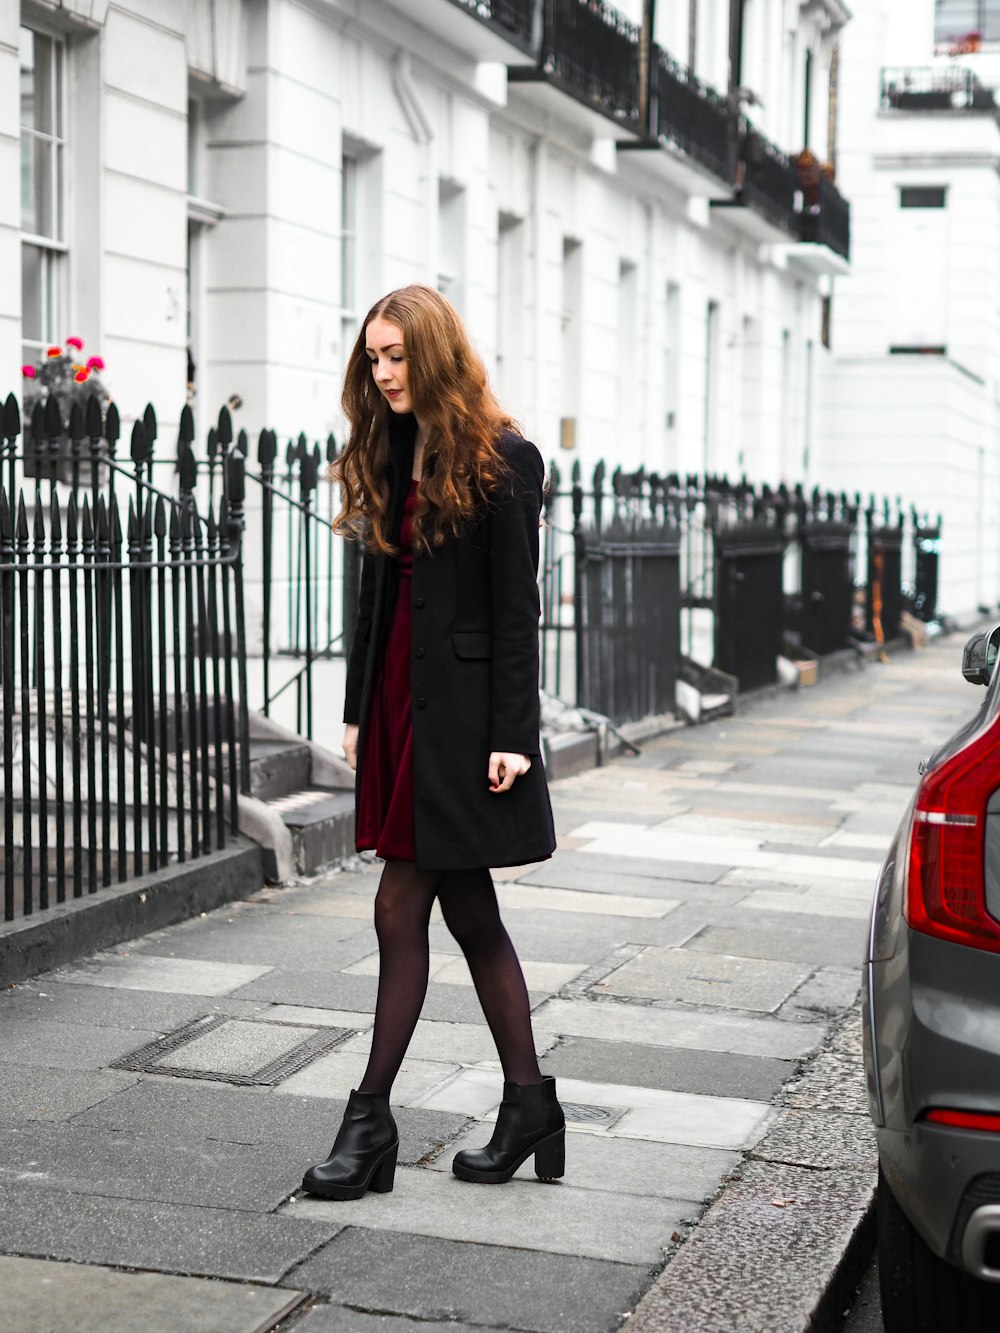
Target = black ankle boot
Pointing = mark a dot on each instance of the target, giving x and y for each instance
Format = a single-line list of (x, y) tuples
[(363, 1156), (530, 1120)]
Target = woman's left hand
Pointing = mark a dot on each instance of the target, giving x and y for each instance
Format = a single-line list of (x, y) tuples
[(504, 768)]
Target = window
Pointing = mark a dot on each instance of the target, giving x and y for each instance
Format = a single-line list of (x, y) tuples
[(570, 342), (955, 22), (628, 385), (451, 242), (922, 196), (672, 356), (43, 175), (510, 304), (349, 312), (710, 405)]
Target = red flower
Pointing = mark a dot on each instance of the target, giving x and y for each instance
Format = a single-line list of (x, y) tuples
[(54, 351), (95, 363), (82, 376), (28, 372), (75, 342)]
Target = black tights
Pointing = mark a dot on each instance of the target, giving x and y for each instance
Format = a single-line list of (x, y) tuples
[(402, 917)]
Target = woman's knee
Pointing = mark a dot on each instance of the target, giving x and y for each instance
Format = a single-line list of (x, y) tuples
[(403, 901)]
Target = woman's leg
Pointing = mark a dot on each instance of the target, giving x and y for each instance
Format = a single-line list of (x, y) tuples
[(472, 914), (402, 914)]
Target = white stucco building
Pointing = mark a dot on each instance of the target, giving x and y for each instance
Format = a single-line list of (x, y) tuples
[(244, 177), (910, 404)]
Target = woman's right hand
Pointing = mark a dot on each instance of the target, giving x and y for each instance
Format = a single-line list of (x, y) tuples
[(351, 745)]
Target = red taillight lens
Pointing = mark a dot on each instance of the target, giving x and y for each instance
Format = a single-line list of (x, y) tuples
[(945, 887), (965, 1120)]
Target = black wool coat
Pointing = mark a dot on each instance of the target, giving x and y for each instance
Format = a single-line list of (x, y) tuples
[(473, 668)]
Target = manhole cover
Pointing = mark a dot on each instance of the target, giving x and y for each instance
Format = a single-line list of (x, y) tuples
[(583, 1114), (246, 1052)]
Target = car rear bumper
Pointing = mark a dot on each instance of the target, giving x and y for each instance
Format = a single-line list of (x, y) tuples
[(932, 1040)]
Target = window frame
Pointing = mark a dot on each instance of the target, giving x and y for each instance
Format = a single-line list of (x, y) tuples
[(52, 249)]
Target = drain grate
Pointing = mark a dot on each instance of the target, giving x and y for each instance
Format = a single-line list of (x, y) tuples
[(153, 1057), (583, 1114)]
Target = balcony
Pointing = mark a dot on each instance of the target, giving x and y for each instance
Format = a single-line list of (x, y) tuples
[(828, 221), (590, 53), (501, 32), (691, 115), (767, 202), (948, 88), (510, 19)]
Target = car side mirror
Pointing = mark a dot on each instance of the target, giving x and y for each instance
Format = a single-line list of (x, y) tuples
[(980, 656)]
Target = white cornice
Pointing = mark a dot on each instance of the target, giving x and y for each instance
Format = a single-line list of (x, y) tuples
[(835, 12)]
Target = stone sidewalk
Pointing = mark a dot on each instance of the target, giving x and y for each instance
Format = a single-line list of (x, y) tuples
[(693, 945)]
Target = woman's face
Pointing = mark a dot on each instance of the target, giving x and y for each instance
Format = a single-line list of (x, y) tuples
[(384, 345)]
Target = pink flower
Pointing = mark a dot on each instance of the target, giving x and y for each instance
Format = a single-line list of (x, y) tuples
[(28, 372), (95, 363), (75, 342)]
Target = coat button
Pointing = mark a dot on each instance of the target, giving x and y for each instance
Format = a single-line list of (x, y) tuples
[(419, 603), (421, 703), (419, 652)]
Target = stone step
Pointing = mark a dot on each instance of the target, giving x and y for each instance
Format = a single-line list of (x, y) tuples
[(278, 767), (321, 823)]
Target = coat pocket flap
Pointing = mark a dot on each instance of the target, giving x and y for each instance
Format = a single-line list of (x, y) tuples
[(473, 643)]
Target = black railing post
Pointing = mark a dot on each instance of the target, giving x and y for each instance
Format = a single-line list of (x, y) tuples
[(55, 547), (267, 452), (236, 495), (7, 555)]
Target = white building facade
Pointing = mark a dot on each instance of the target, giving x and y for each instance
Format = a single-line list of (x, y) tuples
[(911, 403), (221, 188)]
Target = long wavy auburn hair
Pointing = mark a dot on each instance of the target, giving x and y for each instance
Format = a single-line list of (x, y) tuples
[(452, 397)]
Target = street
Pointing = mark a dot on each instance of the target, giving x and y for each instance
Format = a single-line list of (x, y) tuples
[(692, 953)]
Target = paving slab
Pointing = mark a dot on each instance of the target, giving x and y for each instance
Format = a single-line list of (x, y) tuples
[(767, 900), (452, 970), (742, 1034), (454, 1281), (211, 1242), (28, 1093), (830, 990), (649, 1113), (578, 900), (672, 1068), (40, 1296), (626, 1166), (790, 940), (459, 1043), (43, 1044), (189, 1111), (631, 876), (526, 1214), (132, 1166), (724, 980), (101, 1006), (153, 972), (335, 1074), (327, 1318), (272, 939)]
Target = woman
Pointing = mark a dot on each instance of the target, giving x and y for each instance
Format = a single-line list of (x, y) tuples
[(442, 712)]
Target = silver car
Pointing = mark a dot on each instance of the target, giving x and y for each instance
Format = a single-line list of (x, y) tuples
[(932, 1033)]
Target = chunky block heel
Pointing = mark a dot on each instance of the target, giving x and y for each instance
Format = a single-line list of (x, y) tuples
[(530, 1121), (550, 1157), (364, 1154), (384, 1173)]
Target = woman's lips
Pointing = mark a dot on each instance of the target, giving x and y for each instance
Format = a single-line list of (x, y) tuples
[(393, 393)]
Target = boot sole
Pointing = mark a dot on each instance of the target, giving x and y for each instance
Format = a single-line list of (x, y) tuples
[(380, 1180), (501, 1177)]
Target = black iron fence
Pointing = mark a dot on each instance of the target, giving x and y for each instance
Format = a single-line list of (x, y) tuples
[(512, 19), (769, 181), (692, 115), (122, 662), (591, 48), (644, 579), (828, 220)]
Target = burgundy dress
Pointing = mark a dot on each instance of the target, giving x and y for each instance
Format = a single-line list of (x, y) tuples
[(385, 806)]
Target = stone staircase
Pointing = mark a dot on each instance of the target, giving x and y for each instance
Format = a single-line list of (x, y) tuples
[(301, 809)]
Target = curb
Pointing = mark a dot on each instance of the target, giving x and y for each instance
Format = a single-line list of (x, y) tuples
[(63, 933), (785, 1241)]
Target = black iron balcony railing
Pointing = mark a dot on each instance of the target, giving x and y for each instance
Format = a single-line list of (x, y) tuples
[(592, 50), (949, 88), (692, 115), (769, 182), (828, 220), (512, 19)]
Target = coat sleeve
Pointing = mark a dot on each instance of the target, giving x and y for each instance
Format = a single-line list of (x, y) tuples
[(514, 514), (360, 643)]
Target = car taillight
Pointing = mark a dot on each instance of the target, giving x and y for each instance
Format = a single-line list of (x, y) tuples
[(945, 887), (981, 1120)]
